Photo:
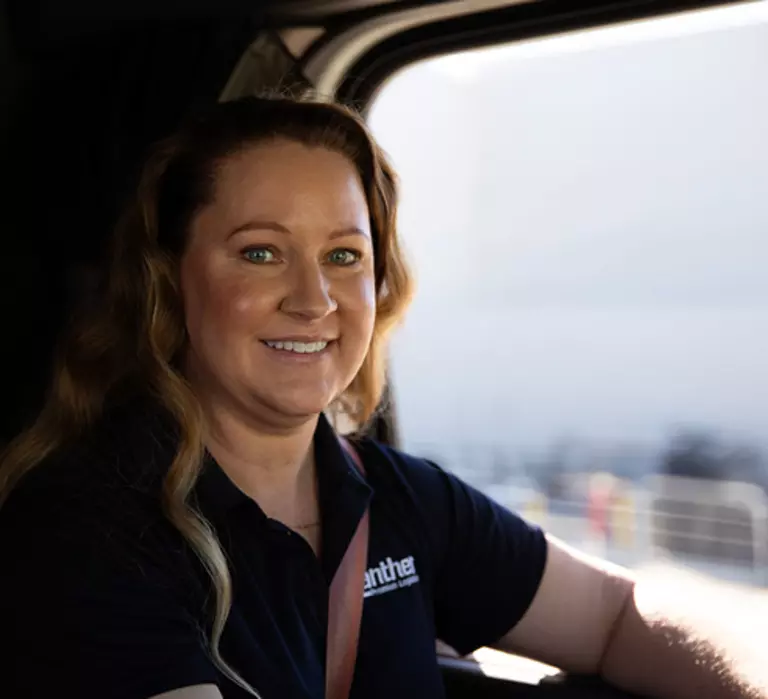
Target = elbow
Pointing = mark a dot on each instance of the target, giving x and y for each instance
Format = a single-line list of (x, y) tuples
[(624, 637), (618, 646)]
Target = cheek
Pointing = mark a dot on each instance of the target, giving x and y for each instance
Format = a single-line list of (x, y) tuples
[(237, 303), (370, 303), (369, 294), (360, 302), (222, 304)]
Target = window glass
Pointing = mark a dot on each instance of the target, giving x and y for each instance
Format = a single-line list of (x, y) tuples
[(587, 216)]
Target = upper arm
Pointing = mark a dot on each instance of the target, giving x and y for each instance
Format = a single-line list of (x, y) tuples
[(199, 691), (575, 610)]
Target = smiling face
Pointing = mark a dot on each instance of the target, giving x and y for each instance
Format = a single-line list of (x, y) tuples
[(278, 284)]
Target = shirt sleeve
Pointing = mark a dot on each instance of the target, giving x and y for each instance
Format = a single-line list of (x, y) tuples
[(488, 561), (81, 620)]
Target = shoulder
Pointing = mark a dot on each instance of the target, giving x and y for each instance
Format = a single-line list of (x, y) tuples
[(122, 453), (96, 500), (420, 492), (417, 477), (401, 473), (452, 512)]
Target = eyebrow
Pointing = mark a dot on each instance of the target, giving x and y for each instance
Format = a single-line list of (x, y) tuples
[(279, 228)]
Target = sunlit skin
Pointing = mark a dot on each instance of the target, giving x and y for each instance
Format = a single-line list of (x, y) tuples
[(283, 252)]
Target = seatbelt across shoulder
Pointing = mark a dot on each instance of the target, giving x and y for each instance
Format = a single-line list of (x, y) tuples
[(345, 604)]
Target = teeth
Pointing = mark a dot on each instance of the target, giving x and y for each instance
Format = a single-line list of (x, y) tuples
[(300, 347)]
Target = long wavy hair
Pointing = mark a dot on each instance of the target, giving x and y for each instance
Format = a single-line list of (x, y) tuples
[(132, 339)]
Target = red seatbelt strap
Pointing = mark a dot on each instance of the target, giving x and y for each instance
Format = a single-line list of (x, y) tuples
[(345, 605)]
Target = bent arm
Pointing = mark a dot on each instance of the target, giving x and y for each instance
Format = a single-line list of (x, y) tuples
[(590, 617)]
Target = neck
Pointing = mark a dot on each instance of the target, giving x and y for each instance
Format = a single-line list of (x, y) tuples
[(276, 468)]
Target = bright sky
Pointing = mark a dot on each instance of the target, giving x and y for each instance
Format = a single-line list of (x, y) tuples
[(721, 19), (588, 218)]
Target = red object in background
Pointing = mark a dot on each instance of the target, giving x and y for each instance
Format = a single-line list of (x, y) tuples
[(597, 511)]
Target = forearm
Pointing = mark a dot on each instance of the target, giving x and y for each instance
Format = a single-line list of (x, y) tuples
[(656, 655)]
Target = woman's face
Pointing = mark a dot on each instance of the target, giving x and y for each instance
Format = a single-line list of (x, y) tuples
[(278, 282)]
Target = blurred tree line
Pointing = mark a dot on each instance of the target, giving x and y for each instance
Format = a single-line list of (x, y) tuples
[(697, 454)]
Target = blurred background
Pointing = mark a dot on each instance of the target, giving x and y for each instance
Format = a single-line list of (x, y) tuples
[(587, 216)]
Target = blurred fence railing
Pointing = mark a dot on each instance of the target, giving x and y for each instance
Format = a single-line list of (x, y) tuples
[(720, 522), (721, 527)]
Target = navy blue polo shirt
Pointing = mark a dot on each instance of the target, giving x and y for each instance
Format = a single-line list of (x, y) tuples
[(101, 597)]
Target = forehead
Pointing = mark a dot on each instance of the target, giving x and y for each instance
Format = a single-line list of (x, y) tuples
[(286, 180)]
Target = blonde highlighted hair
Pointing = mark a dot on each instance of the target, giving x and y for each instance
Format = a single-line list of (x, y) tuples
[(131, 339)]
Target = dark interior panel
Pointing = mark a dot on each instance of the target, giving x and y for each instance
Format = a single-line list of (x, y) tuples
[(80, 115)]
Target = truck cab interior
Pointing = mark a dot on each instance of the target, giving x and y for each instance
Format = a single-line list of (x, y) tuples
[(88, 86)]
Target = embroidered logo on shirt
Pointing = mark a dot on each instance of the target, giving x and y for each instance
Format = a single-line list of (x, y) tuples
[(390, 575)]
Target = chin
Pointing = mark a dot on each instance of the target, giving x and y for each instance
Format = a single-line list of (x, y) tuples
[(301, 411), (298, 406)]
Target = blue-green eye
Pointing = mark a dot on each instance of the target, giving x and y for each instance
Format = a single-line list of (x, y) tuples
[(259, 255), (344, 257)]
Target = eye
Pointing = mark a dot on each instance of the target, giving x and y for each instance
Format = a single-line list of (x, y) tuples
[(344, 257), (259, 255)]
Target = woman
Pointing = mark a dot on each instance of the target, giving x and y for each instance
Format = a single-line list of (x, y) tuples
[(175, 518)]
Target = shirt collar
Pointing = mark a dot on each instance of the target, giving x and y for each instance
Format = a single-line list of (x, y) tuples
[(336, 471), (344, 492), (344, 495), (334, 464)]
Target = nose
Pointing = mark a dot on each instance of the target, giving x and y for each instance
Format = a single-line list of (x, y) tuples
[(309, 293)]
